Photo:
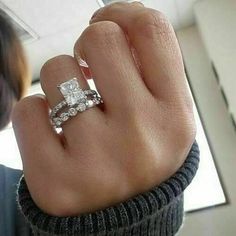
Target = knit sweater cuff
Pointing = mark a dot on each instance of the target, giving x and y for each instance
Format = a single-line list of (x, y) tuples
[(156, 212)]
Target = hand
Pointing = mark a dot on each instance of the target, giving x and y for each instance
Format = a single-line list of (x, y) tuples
[(138, 139)]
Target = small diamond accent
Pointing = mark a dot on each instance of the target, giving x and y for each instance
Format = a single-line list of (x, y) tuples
[(72, 112), (71, 91), (75, 99), (90, 103), (81, 107), (57, 121), (64, 116)]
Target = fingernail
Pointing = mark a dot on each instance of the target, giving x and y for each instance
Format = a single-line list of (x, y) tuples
[(82, 62), (39, 95), (95, 14), (138, 3), (79, 59)]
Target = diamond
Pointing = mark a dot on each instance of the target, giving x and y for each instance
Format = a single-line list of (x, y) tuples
[(81, 107), (90, 103), (57, 121), (71, 91), (72, 112), (64, 116)]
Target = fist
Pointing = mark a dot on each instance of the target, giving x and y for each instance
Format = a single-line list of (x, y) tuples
[(135, 140)]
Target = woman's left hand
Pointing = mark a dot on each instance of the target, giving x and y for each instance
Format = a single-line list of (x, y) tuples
[(138, 139)]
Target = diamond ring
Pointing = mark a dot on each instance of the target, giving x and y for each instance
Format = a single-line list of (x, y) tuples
[(63, 103), (75, 100)]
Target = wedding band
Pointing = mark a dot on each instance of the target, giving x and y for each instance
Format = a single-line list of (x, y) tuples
[(75, 100), (63, 103)]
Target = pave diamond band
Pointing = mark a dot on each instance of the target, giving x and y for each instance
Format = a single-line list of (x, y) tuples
[(64, 103), (58, 121), (75, 100)]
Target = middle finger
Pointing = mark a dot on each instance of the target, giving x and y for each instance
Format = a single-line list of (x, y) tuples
[(105, 49), (156, 47)]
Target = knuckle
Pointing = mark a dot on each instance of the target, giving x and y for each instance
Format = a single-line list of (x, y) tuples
[(100, 34), (150, 22)]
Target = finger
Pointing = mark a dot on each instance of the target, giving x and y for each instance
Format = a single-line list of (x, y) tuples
[(105, 49), (56, 71), (38, 143), (155, 44)]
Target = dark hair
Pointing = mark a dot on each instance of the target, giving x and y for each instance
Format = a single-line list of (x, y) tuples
[(13, 69)]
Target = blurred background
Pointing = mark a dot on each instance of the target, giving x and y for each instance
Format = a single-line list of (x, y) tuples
[(206, 30)]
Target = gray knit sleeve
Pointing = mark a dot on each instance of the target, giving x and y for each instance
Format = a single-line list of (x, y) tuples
[(158, 212)]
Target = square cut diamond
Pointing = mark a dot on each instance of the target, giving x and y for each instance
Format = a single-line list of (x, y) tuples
[(71, 91)]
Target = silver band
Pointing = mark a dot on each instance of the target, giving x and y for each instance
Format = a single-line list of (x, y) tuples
[(58, 121), (63, 103), (75, 100)]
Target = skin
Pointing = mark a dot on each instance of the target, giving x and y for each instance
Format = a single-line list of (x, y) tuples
[(135, 141)]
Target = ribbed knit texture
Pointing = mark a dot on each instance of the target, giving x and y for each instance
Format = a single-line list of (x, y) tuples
[(158, 212)]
